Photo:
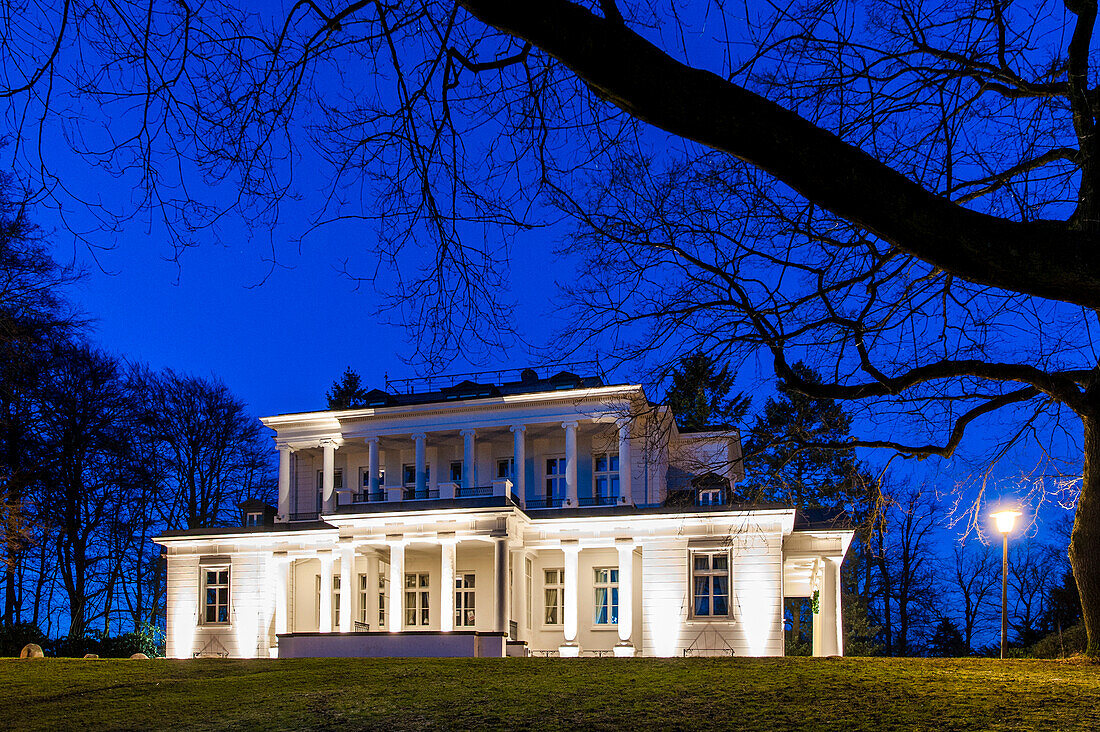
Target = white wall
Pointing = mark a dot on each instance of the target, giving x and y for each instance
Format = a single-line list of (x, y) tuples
[(755, 628), (250, 630)]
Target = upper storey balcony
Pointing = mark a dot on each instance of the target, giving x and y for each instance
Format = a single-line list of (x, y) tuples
[(562, 441)]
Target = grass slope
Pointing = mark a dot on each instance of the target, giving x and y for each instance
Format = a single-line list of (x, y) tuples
[(396, 694)]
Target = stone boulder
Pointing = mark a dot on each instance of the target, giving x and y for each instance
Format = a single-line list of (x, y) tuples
[(32, 650), (139, 657), (90, 655)]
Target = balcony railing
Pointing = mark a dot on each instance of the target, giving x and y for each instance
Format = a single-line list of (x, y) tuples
[(308, 516), (411, 494), (545, 502), (599, 500), (474, 491), (369, 497)]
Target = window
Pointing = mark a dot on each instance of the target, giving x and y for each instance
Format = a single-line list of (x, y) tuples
[(364, 587), (254, 518), (416, 598), (605, 471), (408, 472), (553, 588), (215, 595), (710, 497), (606, 584), (710, 582), (555, 479), (383, 591), (528, 567), (364, 478), (335, 600), (456, 471), (337, 484), (506, 468), (464, 600)]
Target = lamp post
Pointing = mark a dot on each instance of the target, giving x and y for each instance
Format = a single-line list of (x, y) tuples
[(1006, 520)]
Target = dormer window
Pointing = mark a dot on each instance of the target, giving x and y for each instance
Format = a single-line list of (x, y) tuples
[(711, 497), (254, 518)]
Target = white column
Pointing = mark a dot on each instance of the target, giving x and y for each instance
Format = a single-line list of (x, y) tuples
[(833, 568), (284, 482), (519, 457), (328, 477), (372, 466), (571, 464), (570, 648), (396, 619), (447, 552), (624, 461), (324, 623), (626, 596), (421, 464), (468, 460), (348, 588), (500, 567), (282, 587)]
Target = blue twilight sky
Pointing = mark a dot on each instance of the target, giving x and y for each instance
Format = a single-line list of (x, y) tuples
[(280, 344)]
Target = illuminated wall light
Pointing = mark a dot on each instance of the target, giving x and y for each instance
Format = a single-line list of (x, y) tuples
[(757, 602), (247, 622), (184, 626), (665, 621)]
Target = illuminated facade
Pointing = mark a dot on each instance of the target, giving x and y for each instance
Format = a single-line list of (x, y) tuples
[(554, 516)]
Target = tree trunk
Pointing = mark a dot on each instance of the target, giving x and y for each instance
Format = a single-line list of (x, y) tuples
[(1084, 543)]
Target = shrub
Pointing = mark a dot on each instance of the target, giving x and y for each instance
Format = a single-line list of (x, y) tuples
[(13, 636), (1073, 640)]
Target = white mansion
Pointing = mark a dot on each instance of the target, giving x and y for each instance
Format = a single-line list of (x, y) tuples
[(554, 516)]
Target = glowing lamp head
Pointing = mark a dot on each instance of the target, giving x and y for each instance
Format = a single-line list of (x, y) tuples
[(1006, 520)]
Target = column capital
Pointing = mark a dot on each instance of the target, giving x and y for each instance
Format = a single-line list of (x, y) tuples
[(285, 446), (570, 425), (518, 428), (333, 442), (570, 546), (447, 538), (420, 436), (468, 432), (372, 440), (396, 540)]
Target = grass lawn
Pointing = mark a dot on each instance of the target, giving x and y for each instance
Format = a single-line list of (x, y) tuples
[(749, 694)]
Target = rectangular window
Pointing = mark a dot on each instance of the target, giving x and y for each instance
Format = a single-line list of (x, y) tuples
[(337, 484), (528, 567), (456, 471), (711, 497), (408, 472), (464, 600), (553, 589), (555, 479), (364, 586), (710, 582), (364, 478), (254, 518), (417, 599), (506, 468), (605, 475), (606, 602), (383, 591), (215, 595), (335, 600)]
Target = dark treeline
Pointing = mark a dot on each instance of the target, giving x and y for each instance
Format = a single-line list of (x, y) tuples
[(913, 583), (98, 455)]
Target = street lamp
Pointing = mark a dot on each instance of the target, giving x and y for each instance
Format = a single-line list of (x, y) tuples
[(1006, 520)]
